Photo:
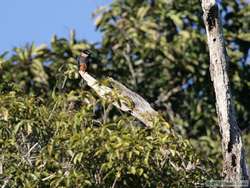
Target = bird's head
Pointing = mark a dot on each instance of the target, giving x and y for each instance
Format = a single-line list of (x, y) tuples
[(85, 53)]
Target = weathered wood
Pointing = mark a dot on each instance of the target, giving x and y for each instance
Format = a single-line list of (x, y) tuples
[(126, 100), (234, 166)]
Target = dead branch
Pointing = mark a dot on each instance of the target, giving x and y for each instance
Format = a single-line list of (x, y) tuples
[(127, 100)]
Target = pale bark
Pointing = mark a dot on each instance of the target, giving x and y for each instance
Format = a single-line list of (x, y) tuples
[(234, 163), (124, 99)]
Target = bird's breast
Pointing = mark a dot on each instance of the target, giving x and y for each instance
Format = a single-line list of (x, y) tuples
[(83, 67)]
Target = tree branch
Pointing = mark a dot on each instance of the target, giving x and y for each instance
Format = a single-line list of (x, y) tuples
[(124, 99)]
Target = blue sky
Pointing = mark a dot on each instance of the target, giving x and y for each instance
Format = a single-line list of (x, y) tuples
[(23, 21)]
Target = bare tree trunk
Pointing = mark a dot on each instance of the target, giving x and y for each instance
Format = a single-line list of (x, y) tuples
[(234, 167)]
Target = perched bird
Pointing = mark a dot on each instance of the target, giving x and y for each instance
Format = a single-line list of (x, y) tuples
[(83, 60)]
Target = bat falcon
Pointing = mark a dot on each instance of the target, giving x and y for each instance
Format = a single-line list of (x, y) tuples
[(83, 60)]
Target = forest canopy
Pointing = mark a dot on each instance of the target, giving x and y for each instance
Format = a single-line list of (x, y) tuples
[(56, 131)]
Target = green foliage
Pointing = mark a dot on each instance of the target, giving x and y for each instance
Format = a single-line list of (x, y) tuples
[(162, 46), (54, 131), (56, 145)]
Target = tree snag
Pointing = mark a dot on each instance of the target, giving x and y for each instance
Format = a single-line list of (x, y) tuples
[(234, 163)]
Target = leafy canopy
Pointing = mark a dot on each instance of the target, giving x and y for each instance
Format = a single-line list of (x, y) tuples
[(56, 132)]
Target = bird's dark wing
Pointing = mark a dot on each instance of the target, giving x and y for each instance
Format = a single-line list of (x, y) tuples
[(82, 63)]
